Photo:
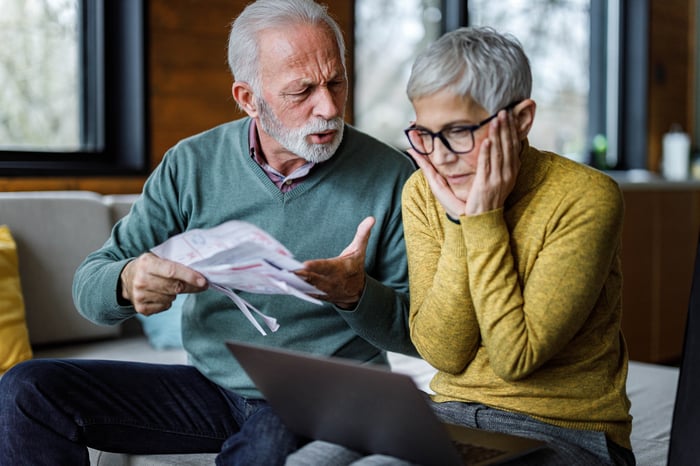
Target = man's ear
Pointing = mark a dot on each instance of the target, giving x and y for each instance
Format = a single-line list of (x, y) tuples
[(244, 97), (524, 114)]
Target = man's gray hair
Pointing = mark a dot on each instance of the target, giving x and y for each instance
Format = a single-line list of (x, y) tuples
[(269, 14), (476, 62)]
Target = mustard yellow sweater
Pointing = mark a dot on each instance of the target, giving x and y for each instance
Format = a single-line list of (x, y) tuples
[(519, 308)]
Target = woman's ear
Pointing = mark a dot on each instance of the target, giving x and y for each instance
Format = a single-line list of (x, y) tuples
[(524, 114), (244, 96)]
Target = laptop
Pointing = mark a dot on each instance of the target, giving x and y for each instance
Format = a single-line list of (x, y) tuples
[(368, 409)]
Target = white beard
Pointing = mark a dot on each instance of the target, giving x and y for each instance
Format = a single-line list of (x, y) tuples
[(294, 140)]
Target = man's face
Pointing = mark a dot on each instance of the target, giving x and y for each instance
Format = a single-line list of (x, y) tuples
[(442, 110), (304, 90)]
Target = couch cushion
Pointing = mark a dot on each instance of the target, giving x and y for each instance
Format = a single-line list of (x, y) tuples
[(164, 329), (14, 339), (100, 458), (119, 204), (54, 232)]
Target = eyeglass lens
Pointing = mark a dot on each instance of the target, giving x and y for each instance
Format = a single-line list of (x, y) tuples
[(456, 139)]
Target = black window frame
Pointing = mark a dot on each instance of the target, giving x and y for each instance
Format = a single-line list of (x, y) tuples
[(114, 107), (630, 75)]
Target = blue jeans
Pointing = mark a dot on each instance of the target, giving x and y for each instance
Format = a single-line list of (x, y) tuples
[(51, 410), (564, 446)]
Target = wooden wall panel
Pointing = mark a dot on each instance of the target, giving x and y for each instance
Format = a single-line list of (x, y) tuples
[(658, 250), (190, 84), (678, 236), (638, 290), (672, 47)]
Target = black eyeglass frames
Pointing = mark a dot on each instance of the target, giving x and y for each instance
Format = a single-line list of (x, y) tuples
[(458, 139)]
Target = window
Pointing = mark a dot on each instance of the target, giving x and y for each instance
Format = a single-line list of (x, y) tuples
[(578, 55), (382, 70), (555, 36), (40, 41), (74, 99)]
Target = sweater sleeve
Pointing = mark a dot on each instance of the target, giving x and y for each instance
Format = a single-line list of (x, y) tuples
[(149, 223), (381, 316), (440, 309), (528, 311)]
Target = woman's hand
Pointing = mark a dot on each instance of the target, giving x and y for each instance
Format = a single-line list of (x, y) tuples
[(497, 167), (438, 185)]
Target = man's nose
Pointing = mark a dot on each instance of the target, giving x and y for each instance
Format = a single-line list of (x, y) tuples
[(325, 105)]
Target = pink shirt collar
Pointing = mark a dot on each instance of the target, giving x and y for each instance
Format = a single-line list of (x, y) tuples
[(284, 183)]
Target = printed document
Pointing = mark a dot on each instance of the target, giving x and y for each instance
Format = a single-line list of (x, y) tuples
[(238, 256)]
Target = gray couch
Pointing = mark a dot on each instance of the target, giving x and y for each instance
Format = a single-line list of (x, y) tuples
[(54, 232)]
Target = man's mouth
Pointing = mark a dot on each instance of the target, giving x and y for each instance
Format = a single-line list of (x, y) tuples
[(325, 137)]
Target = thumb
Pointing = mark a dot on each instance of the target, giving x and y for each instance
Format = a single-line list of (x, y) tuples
[(359, 242)]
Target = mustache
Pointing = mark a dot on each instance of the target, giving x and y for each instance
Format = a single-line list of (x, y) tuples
[(320, 125)]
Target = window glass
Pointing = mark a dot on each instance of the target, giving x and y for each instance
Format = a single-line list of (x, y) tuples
[(555, 36), (388, 35), (39, 96)]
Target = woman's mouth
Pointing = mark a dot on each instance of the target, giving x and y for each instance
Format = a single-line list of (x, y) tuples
[(456, 179)]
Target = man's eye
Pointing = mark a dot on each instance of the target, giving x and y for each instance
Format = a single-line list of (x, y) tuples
[(298, 94)]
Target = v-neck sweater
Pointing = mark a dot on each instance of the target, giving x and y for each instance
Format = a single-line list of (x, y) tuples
[(210, 178)]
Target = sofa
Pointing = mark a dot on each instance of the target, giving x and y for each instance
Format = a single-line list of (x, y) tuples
[(55, 230)]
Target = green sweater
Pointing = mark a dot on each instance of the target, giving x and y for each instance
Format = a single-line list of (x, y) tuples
[(519, 308), (210, 178)]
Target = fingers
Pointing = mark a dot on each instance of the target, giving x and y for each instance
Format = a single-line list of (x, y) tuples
[(498, 165), (438, 185), (152, 283), (508, 145), (359, 242), (342, 278)]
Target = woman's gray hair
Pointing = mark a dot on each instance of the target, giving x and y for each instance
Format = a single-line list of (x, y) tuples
[(476, 62), (270, 14)]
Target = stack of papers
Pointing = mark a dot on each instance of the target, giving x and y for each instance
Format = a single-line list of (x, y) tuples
[(239, 256)]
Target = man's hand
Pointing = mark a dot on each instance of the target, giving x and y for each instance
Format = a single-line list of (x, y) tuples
[(341, 278), (152, 283)]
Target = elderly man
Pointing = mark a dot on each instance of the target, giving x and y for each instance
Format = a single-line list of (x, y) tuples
[(329, 193)]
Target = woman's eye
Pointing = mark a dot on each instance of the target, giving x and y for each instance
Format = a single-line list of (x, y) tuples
[(458, 131)]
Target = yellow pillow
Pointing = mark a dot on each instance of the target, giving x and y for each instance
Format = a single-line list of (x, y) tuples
[(14, 337)]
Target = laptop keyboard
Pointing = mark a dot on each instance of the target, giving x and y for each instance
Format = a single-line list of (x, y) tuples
[(475, 453)]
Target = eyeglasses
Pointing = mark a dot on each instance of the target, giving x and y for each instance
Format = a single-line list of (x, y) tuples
[(458, 139)]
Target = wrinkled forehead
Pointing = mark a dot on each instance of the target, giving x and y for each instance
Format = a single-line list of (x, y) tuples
[(297, 50)]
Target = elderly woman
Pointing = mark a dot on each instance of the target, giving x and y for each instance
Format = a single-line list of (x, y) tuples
[(514, 267)]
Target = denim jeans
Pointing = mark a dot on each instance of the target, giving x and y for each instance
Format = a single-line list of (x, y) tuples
[(564, 446), (51, 410)]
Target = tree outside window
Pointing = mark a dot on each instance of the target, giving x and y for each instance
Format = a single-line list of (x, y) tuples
[(39, 91)]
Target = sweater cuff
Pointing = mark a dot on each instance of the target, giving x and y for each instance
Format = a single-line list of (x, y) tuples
[(452, 219), (485, 230)]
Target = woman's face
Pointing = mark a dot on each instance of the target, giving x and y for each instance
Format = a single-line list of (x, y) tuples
[(442, 110)]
